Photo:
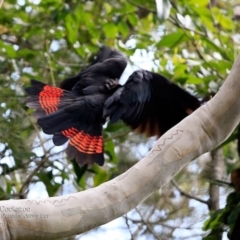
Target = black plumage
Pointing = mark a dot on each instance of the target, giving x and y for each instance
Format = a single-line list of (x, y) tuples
[(76, 111), (149, 103)]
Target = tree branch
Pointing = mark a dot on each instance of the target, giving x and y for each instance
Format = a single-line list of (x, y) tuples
[(188, 195), (59, 217), (31, 175), (149, 228)]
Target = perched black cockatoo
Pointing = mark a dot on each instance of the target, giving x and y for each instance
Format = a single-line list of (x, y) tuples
[(76, 111)]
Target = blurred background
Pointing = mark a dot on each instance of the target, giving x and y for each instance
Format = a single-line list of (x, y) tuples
[(193, 43)]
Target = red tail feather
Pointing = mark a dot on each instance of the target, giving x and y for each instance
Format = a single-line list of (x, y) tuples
[(49, 98), (86, 143), (58, 112)]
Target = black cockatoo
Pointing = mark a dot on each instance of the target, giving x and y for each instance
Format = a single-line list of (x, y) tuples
[(76, 111)]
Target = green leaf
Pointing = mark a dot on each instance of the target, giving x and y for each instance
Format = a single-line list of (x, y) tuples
[(123, 28), (101, 175), (8, 49), (222, 66), (133, 19), (79, 171), (107, 7), (47, 178), (27, 54), (194, 80), (71, 27), (225, 22), (110, 30), (214, 221), (198, 3), (234, 215), (180, 70), (172, 40), (215, 47), (109, 147), (231, 138)]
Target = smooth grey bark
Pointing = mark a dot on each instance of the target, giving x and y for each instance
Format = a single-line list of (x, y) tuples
[(58, 217)]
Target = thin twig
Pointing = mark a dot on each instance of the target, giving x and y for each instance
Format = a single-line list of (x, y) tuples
[(188, 195), (51, 69), (31, 175), (36, 130), (128, 226), (180, 25), (148, 225), (64, 64), (40, 164), (142, 6), (186, 30)]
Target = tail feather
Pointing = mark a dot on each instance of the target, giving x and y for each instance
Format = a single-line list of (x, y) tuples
[(55, 122), (72, 152), (47, 99), (59, 113), (59, 139), (86, 146), (85, 142)]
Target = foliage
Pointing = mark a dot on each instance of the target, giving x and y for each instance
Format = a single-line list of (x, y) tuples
[(50, 40), (227, 217)]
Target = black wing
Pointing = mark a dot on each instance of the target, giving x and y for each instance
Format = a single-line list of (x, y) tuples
[(81, 124), (109, 64), (67, 117), (74, 111), (149, 103)]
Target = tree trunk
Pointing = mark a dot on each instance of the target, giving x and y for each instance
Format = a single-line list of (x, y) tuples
[(216, 170)]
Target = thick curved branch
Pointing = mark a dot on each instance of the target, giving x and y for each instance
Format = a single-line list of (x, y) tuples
[(59, 217)]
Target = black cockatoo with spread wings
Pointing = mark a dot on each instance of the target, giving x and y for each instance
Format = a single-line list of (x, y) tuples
[(77, 110)]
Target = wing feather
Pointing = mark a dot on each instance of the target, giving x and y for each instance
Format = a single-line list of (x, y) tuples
[(149, 103), (73, 112)]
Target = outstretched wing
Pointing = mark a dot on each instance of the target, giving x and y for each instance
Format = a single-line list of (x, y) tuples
[(67, 117), (74, 111), (149, 103), (81, 123), (109, 64)]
